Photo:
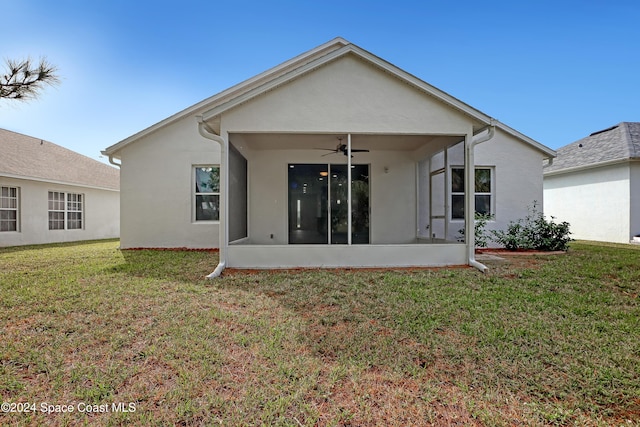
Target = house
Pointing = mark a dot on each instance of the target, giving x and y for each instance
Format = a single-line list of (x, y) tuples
[(51, 194), (594, 185), (262, 169)]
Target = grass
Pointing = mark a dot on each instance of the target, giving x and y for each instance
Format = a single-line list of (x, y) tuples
[(540, 340)]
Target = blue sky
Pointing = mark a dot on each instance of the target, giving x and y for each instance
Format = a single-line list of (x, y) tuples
[(554, 70)]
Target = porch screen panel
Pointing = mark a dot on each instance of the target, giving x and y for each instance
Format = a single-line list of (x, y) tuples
[(308, 192), (438, 207), (319, 204), (237, 195), (424, 220), (339, 206), (359, 204)]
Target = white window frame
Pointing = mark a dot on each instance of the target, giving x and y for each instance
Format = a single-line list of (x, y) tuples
[(9, 203), (196, 193), (75, 211), (70, 205), (491, 194)]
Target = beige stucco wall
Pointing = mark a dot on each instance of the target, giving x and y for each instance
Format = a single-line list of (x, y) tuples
[(635, 199), (517, 178), (345, 96), (101, 214), (157, 188), (350, 96), (517, 184), (392, 193), (596, 202)]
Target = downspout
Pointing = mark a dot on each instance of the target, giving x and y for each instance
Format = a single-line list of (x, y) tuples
[(113, 162), (470, 195), (208, 133)]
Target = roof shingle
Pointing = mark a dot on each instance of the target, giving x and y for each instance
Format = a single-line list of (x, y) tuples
[(617, 143), (29, 157)]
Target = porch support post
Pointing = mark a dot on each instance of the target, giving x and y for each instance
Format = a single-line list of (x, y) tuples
[(349, 188), (224, 198)]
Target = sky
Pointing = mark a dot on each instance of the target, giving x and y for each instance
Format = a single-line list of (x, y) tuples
[(555, 70)]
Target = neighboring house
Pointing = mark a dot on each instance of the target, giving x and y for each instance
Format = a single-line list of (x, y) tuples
[(594, 185), (261, 170), (50, 194)]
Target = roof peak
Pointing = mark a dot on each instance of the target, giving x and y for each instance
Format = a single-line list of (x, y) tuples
[(211, 108)]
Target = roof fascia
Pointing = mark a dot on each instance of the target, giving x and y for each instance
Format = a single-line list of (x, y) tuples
[(451, 100), (380, 63), (423, 86), (546, 150), (293, 68), (273, 83), (336, 43), (590, 166), (390, 69)]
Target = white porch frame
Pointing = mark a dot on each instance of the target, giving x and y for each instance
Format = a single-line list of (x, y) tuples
[(329, 256)]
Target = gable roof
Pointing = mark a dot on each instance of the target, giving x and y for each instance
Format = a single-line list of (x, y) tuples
[(612, 145), (26, 157), (211, 108)]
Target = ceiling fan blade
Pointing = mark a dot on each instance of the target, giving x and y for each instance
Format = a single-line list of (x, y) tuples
[(341, 148)]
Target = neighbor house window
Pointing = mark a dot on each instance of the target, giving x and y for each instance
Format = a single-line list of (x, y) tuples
[(207, 193), (8, 209), (65, 210), (74, 211), (483, 191)]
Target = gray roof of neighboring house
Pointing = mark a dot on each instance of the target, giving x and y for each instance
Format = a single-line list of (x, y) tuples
[(23, 156), (617, 143)]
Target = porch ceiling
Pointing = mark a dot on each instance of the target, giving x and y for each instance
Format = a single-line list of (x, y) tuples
[(374, 142)]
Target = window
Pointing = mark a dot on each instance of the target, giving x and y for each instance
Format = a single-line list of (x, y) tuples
[(74, 211), (65, 209), (483, 192), (8, 209), (207, 193)]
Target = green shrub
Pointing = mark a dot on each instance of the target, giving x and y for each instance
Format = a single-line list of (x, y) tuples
[(481, 237), (534, 232)]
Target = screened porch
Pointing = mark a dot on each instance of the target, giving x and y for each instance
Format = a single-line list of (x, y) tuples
[(290, 203)]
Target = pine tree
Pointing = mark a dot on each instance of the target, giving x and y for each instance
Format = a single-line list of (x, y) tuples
[(23, 80)]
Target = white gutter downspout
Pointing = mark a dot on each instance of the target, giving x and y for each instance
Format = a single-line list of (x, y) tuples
[(113, 162), (470, 194), (208, 133)]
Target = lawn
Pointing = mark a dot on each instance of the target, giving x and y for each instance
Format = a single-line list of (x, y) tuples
[(139, 338)]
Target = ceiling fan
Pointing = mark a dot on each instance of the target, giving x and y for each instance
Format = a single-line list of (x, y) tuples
[(342, 148)]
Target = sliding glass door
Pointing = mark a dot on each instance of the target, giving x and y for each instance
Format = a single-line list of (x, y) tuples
[(308, 195), (319, 208)]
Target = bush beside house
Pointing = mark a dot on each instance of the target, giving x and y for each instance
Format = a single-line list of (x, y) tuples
[(533, 232)]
